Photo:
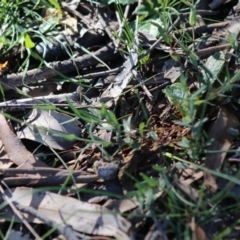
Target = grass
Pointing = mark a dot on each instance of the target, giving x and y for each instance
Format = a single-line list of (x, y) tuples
[(162, 202)]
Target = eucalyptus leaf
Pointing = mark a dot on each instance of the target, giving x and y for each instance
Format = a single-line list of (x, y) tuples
[(215, 64), (151, 27), (50, 128), (177, 95)]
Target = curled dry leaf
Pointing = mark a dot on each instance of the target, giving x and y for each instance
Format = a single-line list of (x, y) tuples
[(82, 216), (16, 151), (197, 232), (187, 189), (222, 142), (49, 127)]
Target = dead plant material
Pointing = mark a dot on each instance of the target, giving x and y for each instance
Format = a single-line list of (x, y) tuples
[(32, 76), (15, 149), (81, 216), (197, 232), (222, 141)]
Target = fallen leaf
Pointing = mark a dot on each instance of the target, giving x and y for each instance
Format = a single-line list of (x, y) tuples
[(187, 189), (222, 142), (82, 216), (3, 67), (197, 232), (45, 126), (121, 205), (16, 151)]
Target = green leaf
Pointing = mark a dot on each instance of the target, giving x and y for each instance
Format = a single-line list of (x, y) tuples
[(177, 95), (103, 111), (192, 17), (151, 182), (87, 117), (141, 127), (69, 137), (236, 77), (72, 107), (153, 135), (151, 27), (46, 107), (127, 125), (215, 64), (111, 117), (148, 8), (185, 143), (28, 41), (55, 4)]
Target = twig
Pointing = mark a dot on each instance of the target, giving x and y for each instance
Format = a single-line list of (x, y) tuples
[(107, 30), (12, 81), (40, 170), (150, 96), (204, 53), (202, 29), (75, 97), (48, 181), (22, 107), (100, 74)]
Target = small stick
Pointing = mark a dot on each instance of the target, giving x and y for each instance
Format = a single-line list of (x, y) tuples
[(100, 74), (12, 81), (107, 30), (48, 181), (202, 29), (149, 95), (74, 96), (41, 170), (204, 53)]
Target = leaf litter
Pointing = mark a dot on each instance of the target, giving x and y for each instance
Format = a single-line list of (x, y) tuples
[(147, 116)]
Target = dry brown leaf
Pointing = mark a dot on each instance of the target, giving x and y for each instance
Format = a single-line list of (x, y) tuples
[(222, 142), (15, 149), (190, 175), (121, 205), (197, 232), (5, 162), (197, 175), (84, 217), (3, 68), (187, 189), (131, 161)]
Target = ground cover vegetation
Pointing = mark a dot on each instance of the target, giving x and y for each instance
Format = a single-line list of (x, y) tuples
[(119, 119)]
